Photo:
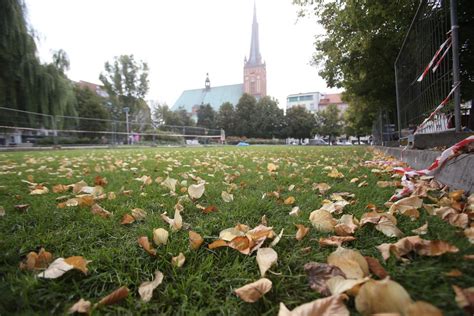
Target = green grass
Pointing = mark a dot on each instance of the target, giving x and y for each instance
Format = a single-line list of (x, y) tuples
[(205, 284)]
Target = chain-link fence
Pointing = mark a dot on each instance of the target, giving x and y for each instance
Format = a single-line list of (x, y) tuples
[(424, 70), (27, 129)]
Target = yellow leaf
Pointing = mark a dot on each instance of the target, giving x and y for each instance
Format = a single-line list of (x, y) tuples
[(290, 200), (145, 244), (252, 292), (160, 236), (195, 240), (302, 231), (322, 220), (351, 262), (178, 261), (78, 262)]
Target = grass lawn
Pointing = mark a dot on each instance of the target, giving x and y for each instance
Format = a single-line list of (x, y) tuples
[(205, 283)]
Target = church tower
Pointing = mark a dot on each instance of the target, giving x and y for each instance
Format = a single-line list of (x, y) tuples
[(255, 72)]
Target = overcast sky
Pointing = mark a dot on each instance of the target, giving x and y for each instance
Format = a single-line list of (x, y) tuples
[(181, 41)]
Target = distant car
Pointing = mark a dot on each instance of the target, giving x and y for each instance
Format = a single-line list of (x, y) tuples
[(344, 143), (243, 144), (317, 142)]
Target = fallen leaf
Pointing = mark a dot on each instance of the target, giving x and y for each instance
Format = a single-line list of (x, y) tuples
[(227, 197), (291, 187), (146, 288), (22, 207), (469, 233), (319, 273), (335, 240), (210, 209), (240, 243), (178, 261), (388, 228), (56, 269), (230, 233), (39, 189), (82, 306), (277, 239), (60, 188), (339, 284), (195, 191), (271, 167), (465, 298), (78, 262), (111, 196), (195, 240), (322, 220), (289, 200), (384, 296), (264, 220), (345, 225), (386, 184), (295, 211), (145, 244), (160, 236), (37, 261), (351, 262), (322, 187), (422, 230), (266, 257), (176, 223), (114, 297), (334, 173), (100, 181), (98, 210), (2, 211), (217, 244), (302, 231), (415, 243), (376, 268), (127, 219), (138, 214), (329, 306), (406, 204), (422, 308), (454, 273), (170, 183), (252, 292)]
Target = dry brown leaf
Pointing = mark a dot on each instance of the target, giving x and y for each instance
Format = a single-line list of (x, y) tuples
[(302, 231), (22, 207), (454, 273), (78, 262), (385, 296), (469, 233), (277, 239), (160, 236), (60, 188), (386, 184), (98, 210), (322, 220), (209, 209), (252, 292), (170, 183), (345, 225), (240, 243), (56, 269), (138, 214), (271, 167), (406, 204), (388, 228), (179, 260), (420, 308), (376, 268), (350, 261), (465, 298), (319, 273), (289, 200), (176, 223), (422, 230), (111, 196), (39, 189), (2, 211), (82, 306), (339, 284), (266, 257), (418, 245), (146, 245), (217, 244), (146, 288), (321, 187), (195, 191), (195, 240), (100, 181), (295, 211), (334, 173), (114, 297), (127, 219), (37, 261), (329, 306), (335, 240), (230, 233)]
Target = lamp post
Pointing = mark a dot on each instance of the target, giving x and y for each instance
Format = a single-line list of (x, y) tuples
[(126, 110)]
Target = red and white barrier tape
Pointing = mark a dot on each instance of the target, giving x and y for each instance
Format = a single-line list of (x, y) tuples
[(428, 67), (442, 57), (446, 155)]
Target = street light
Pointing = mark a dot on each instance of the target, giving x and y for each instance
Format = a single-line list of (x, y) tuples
[(126, 110)]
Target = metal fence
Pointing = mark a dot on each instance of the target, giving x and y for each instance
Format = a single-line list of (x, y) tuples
[(424, 71), (28, 129)]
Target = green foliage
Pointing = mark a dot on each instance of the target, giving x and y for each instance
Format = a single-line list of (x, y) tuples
[(226, 118), (245, 114), (268, 119), (358, 118), (90, 105), (177, 118), (160, 113), (299, 123), (362, 42), (206, 116), (328, 122)]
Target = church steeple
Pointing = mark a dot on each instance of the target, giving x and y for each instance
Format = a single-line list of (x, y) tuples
[(255, 58), (255, 72)]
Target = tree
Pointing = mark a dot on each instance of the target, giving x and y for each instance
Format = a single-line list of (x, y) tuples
[(90, 105), (206, 116), (328, 122), (160, 113), (226, 118), (245, 116), (299, 123), (362, 42), (126, 82), (269, 118), (357, 119)]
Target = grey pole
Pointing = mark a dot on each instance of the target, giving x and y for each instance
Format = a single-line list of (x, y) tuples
[(456, 77), (398, 104)]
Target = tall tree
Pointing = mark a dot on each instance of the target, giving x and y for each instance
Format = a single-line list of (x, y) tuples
[(126, 82), (299, 123), (329, 122), (90, 105), (361, 44), (206, 116), (160, 113), (245, 115), (269, 118), (226, 119)]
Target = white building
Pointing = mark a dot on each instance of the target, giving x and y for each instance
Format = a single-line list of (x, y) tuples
[(309, 100)]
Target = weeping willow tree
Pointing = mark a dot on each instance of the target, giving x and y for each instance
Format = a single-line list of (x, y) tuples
[(25, 83)]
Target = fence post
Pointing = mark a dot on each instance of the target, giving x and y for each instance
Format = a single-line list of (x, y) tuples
[(55, 130), (456, 79), (398, 104)]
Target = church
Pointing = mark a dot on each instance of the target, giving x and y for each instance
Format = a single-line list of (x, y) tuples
[(254, 82)]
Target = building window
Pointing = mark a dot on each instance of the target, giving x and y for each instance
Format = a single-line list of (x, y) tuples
[(253, 89)]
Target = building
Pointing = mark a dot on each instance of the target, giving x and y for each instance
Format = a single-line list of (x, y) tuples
[(254, 82), (309, 100), (98, 89), (333, 98)]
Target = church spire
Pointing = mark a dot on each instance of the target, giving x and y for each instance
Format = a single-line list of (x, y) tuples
[(254, 57)]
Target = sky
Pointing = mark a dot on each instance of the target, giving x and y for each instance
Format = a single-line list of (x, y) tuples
[(181, 41)]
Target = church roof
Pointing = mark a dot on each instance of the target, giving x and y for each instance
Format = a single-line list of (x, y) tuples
[(255, 58), (214, 96)]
